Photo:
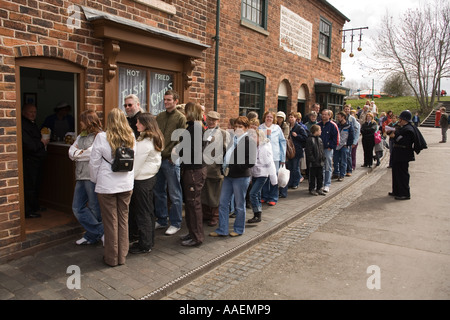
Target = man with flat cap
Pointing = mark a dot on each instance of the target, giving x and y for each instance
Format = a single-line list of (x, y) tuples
[(214, 177), (402, 154), (60, 122)]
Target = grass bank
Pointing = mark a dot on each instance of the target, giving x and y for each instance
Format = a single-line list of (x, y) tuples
[(397, 104)]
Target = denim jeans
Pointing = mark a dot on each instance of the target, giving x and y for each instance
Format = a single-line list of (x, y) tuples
[(255, 193), (340, 161), (86, 209), (327, 168), (238, 187), (269, 192), (168, 182)]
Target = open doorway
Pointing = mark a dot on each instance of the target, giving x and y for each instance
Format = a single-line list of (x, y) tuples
[(55, 95)]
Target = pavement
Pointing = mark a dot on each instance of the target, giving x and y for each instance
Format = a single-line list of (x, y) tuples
[(70, 272)]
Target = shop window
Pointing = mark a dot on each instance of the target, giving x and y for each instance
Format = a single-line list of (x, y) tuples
[(148, 84), (252, 93), (325, 38), (255, 12)]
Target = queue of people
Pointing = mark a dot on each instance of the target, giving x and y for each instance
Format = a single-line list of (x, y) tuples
[(226, 171)]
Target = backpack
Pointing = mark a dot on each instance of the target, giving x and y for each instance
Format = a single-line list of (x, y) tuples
[(377, 137), (123, 160), (419, 140)]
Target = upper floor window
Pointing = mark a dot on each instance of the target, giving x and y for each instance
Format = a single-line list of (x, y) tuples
[(255, 11), (325, 38)]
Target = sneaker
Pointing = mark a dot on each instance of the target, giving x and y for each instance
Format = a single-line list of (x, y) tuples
[(313, 193), (321, 193), (271, 203), (83, 241), (172, 230), (159, 226), (326, 189), (340, 179)]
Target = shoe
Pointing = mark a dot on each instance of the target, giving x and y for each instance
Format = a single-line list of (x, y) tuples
[(402, 198), (159, 226), (348, 174), (256, 218), (212, 223), (232, 215), (262, 200), (172, 230), (271, 203), (391, 194), (363, 166), (334, 176), (83, 241), (137, 249), (234, 234), (295, 187), (301, 180), (190, 243), (313, 193), (280, 196), (321, 193), (186, 237), (326, 189), (340, 179), (442, 141), (215, 234), (103, 240), (33, 215)]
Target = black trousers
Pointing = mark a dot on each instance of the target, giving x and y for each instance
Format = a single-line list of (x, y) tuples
[(315, 178), (142, 213), (400, 179), (368, 144), (193, 181), (32, 176)]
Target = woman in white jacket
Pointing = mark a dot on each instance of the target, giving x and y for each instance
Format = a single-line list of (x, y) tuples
[(263, 170), (147, 162), (85, 205), (113, 189), (273, 131)]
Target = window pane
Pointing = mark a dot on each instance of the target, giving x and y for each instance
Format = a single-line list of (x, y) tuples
[(133, 81), (160, 82)]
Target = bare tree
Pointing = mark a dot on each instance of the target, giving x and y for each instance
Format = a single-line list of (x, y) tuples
[(419, 48)]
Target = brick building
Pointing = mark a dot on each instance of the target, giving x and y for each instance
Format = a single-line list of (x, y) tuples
[(278, 55)]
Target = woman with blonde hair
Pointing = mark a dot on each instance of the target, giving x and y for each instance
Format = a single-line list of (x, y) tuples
[(85, 204), (368, 129), (149, 145), (113, 189)]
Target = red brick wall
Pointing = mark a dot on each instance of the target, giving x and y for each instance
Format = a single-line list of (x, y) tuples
[(33, 28), (244, 49)]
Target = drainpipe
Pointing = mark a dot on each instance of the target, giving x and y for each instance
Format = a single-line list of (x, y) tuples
[(216, 62)]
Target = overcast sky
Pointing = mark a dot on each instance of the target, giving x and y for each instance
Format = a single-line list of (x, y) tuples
[(369, 13)]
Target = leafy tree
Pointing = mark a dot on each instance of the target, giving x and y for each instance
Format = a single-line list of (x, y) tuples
[(396, 85)]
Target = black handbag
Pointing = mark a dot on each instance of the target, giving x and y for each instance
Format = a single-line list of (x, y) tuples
[(123, 160)]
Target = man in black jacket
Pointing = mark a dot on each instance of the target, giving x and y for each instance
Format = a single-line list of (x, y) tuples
[(402, 154), (34, 154)]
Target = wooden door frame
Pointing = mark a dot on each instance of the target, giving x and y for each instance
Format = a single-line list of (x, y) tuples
[(47, 64)]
